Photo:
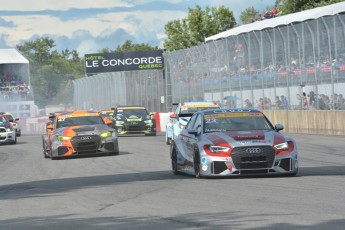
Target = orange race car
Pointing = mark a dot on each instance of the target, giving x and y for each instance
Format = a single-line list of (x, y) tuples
[(79, 133)]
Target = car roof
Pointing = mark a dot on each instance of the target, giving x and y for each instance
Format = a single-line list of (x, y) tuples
[(78, 113), (131, 107)]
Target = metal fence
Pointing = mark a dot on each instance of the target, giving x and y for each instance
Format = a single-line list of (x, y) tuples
[(259, 68), (301, 65), (107, 90)]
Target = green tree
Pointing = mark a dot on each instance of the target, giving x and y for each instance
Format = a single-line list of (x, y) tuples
[(199, 24), (293, 6), (50, 70), (248, 14), (129, 46)]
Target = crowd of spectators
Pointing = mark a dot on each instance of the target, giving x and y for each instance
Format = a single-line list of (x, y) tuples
[(12, 88), (267, 15), (308, 101)]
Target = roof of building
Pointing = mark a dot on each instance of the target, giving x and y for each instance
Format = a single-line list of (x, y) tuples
[(12, 56), (315, 13)]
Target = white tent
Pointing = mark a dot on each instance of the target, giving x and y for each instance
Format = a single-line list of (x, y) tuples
[(282, 20), (11, 60)]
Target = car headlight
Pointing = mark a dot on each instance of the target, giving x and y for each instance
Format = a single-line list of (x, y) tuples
[(148, 121), (9, 129), (181, 126), (106, 134), (120, 122), (217, 149), (63, 138), (282, 146)]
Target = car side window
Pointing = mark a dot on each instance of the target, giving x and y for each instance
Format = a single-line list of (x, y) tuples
[(191, 122), (197, 124)]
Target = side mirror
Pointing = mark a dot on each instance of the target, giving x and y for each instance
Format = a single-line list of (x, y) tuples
[(173, 115), (107, 121), (17, 119), (193, 131), (50, 126), (278, 127)]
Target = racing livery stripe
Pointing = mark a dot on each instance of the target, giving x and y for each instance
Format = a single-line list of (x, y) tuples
[(218, 141), (278, 139)]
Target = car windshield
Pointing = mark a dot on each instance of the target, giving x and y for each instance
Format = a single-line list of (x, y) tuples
[(80, 120), (3, 119), (132, 113), (194, 109), (235, 122)]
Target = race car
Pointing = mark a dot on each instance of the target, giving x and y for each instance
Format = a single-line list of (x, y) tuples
[(233, 142), (79, 133), (14, 121), (7, 131), (181, 116), (107, 113), (133, 120)]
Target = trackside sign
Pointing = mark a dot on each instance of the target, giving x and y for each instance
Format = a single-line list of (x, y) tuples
[(125, 61)]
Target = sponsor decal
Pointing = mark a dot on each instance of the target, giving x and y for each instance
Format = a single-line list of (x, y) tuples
[(203, 160), (204, 168), (124, 61)]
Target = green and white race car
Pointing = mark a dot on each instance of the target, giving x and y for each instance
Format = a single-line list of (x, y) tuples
[(133, 120)]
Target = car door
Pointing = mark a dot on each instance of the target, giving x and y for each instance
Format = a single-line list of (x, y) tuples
[(192, 137), (184, 140)]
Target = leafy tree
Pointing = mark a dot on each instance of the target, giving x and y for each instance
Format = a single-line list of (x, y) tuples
[(50, 70), (199, 24), (293, 6), (128, 46), (248, 15)]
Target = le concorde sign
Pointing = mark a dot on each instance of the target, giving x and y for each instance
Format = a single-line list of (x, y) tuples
[(124, 61)]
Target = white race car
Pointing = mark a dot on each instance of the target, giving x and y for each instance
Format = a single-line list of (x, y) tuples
[(181, 116)]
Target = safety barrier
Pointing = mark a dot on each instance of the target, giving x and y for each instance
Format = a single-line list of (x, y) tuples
[(328, 122)]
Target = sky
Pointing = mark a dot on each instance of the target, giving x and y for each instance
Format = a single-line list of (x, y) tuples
[(91, 25)]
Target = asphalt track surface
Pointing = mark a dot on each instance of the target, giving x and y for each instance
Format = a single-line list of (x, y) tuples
[(137, 190)]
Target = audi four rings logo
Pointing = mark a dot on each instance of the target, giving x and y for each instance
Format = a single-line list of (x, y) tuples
[(253, 150), (85, 138)]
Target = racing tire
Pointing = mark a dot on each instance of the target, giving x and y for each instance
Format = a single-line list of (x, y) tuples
[(113, 153), (15, 141), (18, 134), (174, 160), (45, 154), (167, 140), (196, 164)]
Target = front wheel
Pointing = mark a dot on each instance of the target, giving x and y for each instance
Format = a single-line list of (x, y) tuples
[(45, 154), (196, 163), (167, 139), (174, 160)]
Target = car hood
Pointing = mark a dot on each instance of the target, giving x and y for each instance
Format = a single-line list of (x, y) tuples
[(82, 130), (244, 138)]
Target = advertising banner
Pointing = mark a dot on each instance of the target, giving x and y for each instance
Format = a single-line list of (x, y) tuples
[(124, 61)]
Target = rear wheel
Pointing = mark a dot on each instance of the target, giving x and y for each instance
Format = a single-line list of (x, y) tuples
[(196, 163), (174, 160)]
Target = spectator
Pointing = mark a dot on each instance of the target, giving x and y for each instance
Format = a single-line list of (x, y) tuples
[(247, 104), (278, 103), (285, 102)]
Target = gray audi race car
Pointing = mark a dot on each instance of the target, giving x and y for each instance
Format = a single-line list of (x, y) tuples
[(233, 142)]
